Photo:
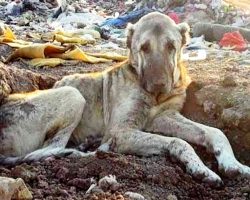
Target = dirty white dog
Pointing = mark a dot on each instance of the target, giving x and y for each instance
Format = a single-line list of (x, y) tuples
[(135, 105)]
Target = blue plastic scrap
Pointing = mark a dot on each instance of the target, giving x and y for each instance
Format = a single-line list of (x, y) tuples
[(122, 21)]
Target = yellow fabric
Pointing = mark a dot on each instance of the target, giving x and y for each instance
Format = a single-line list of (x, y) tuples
[(65, 39), (48, 54), (78, 54), (79, 33), (50, 62), (109, 55), (8, 37), (6, 32), (36, 51)]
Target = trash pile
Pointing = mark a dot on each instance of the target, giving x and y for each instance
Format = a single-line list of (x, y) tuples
[(52, 54), (191, 11), (101, 24)]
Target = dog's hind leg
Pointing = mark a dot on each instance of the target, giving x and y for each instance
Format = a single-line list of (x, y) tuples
[(39, 124)]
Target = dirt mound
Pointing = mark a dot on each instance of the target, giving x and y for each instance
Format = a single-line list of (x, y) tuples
[(154, 178)]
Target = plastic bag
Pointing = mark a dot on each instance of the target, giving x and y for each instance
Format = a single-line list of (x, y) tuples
[(234, 40)]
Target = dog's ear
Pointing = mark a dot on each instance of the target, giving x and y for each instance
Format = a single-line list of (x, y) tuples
[(184, 30), (130, 32)]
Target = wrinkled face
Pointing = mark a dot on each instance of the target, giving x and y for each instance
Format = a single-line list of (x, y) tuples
[(155, 44)]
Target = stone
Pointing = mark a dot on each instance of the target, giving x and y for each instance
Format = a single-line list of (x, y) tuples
[(208, 106), (14, 189), (237, 116), (80, 183), (134, 196), (108, 182), (43, 184), (229, 81), (172, 197), (22, 172)]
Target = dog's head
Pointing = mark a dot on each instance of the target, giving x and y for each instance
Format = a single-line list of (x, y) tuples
[(155, 43)]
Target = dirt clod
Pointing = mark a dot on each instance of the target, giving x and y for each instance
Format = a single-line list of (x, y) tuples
[(229, 81)]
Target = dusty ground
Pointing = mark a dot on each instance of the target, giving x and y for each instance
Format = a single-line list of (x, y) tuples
[(155, 177)]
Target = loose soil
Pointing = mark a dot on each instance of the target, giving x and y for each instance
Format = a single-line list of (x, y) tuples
[(155, 178)]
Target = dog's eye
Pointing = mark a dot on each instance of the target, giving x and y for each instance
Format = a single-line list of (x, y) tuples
[(145, 47)]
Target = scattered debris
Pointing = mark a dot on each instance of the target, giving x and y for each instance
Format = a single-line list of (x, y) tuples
[(234, 40), (215, 32), (195, 55), (197, 43), (122, 21)]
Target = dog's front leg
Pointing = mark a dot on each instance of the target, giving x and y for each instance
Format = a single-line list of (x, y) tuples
[(172, 123), (136, 142)]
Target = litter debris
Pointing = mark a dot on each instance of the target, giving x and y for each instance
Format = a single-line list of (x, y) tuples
[(122, 21), (71, 21), (197, 43), (196, 55), (75, 40), (234, 40), (174, 16), (14, 8), (215, 32), (49, 54), (109, 45)]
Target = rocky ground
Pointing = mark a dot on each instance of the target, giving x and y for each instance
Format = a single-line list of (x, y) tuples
[(155, 178)]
